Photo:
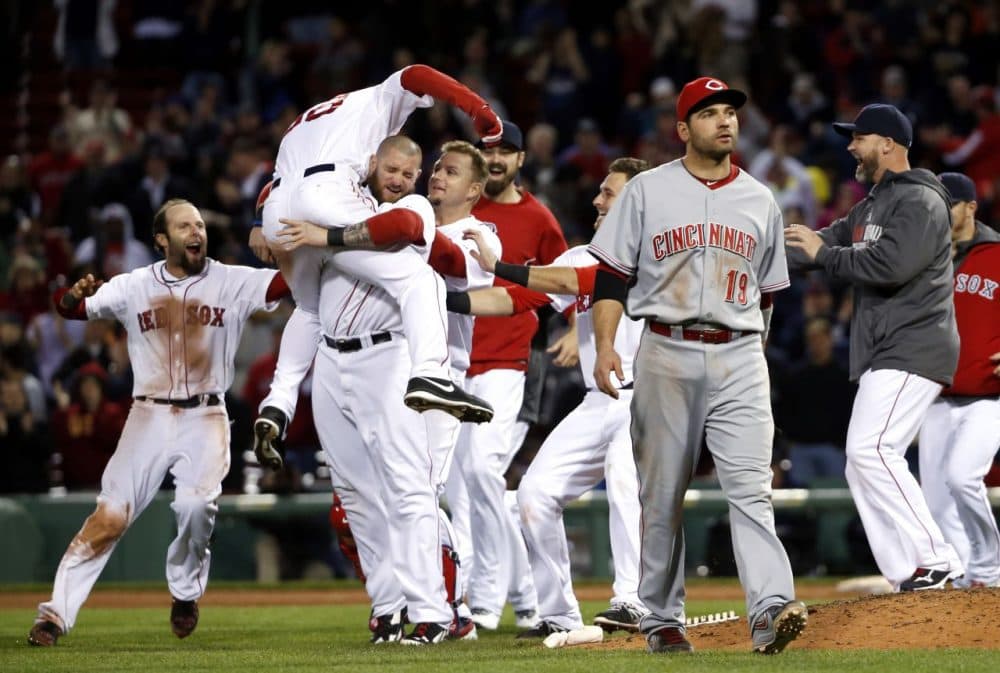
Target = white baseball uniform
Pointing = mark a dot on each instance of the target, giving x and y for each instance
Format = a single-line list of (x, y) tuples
[(182, 338), (321, 166), (701, 254), (590, 444)]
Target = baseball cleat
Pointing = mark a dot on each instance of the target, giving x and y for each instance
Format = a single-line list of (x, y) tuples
[(387, 628), (267, 432), (44, 634), (462, 628), (668, 640), (923, 579), (777, 626), (183, 617), (426, 633), (619, 616), (526, 619), (425, 392), (543, 629), (485, 619)]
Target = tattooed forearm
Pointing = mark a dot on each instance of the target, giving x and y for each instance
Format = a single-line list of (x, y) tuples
[(353, 236)]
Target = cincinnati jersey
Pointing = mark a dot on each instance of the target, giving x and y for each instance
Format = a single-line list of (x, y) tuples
[(460, 326), (626, 338), (347, 129), (183, 333), (699, 253)]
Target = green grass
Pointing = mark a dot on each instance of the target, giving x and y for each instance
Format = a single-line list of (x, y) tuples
[(325, 638)]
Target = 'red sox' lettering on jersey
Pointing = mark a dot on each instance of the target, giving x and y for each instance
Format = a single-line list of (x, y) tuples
[(204, 315), (977, 285), (690, 236)]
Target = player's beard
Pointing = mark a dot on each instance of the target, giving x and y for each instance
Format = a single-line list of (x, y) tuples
[(867, 167), (710, 150), (494, 186), (192, 266)]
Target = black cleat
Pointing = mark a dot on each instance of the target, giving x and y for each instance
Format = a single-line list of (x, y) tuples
[(387, 628), (426, 633), (543, 629), (924, 578), (44, 634), (668, 640), (425, 392), (268, 430), (183, 617), (619, 616)]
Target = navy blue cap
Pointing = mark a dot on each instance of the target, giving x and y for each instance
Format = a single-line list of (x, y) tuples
[(512, 136), (960, 187), (881, 119)]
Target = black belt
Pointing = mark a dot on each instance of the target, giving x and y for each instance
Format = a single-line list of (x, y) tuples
[(312, 170), (210, 400), (356, 343)]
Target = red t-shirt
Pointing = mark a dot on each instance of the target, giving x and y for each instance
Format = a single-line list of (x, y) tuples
[(529, 234), (977, 310)]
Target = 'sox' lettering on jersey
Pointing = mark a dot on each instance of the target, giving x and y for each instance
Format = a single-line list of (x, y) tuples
[(206, 316), (976, 284), (690, 236)]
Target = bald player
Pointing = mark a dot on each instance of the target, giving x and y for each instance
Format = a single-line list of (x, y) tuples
[(590, 444), (702, 242), (961, 431), (184, 317)]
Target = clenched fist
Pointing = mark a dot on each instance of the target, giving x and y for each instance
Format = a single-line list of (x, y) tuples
[(488, 126)]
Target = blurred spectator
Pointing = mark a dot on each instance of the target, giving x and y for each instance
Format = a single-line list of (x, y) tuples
[(249, 172), (26, 295), (103, 120), (23, 442), (86, 427), (157, 186), (17, 202), (806, 102), (755, 127), (895, 91), (813, 408), (89, 189), (539, 169), (17, 365), (157, 27), (85, 33), (979, 153), (785, 175), (588, 154), (113, 249), (662, 144), (95, 347), (560, 71), (846, 195), (52, 337), (51, 170)]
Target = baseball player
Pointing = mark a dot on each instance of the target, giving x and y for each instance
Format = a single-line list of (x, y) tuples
[(184, 317), (701, 240), (320, 170), (894, 247), (590, 444), (455, 185), (500, 350), (961, 430)]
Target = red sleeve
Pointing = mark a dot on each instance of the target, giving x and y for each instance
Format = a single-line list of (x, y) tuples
[(79, 312), (447, 257), (278, 289), (526, 300), (399, 225), (424, 80), (553, 242), (601, 266), (585, 277)]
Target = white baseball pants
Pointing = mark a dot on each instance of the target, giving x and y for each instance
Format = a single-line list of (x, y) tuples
[(193, 445), (902, 534), (590, 444), (958, 440)]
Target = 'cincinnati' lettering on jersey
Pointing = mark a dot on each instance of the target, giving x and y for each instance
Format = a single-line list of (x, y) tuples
[(157, 318), (976, 284), (689, 236)]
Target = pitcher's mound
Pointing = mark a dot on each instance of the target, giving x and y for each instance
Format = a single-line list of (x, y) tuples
[(920, 620)]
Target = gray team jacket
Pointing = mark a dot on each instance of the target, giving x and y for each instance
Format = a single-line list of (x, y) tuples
[(895, 248)]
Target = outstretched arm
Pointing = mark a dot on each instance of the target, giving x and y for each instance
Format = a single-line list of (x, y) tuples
[(379, 232), (71, 303), (550, 279), (424, 80)]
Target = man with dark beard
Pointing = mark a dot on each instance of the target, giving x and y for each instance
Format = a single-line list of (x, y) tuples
[(501, 350), (184, 317), (894, 247)]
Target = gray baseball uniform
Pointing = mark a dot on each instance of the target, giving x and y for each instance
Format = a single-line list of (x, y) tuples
[(701, 254)]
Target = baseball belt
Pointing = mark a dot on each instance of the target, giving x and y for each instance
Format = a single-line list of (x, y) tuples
[(710, 335), (312, 170), (357, 343), (209, 400)]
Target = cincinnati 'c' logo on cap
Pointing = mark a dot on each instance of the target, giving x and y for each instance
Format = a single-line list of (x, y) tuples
[(714, 85)]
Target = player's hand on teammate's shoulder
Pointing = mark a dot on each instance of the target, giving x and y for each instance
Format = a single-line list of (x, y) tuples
[(803, 238), (297, 233), (484, 255), (608, 361), (488, 126), (259, 247)]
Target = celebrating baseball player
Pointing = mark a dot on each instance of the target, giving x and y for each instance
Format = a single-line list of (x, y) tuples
[(345, 306), (322, 164), (184, 317), (590, 444), (961, 430), (701, 240), (894, 247)]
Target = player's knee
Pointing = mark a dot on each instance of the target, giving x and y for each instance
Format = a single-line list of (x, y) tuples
[(193, 504), (104, 527), (533, 497), (961, 485)]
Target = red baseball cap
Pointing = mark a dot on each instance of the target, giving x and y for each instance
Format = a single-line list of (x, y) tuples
[(705, 91)]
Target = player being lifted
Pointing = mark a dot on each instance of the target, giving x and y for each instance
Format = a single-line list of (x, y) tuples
[(184, 317)]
